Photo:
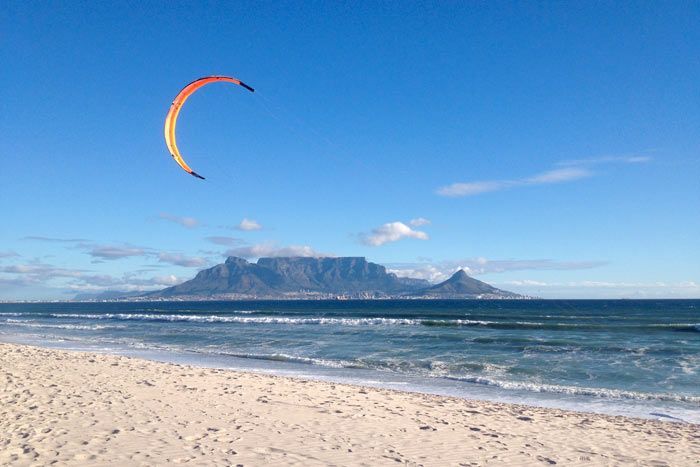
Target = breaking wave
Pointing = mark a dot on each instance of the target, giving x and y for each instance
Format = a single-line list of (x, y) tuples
[(369, 321), (79, 327), (441, 370)]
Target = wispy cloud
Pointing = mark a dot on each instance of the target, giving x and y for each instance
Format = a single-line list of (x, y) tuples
[(113, 252), (438, 271), (187, 222), (49, 277), (8, 254), (102, 253), (182, 260), (419, 221), (429, 272), (556, 176), (271, 250), (126, 283), (568, 171), (633, 159), (544, 178), (40, 271), (249, 225), (41, 277), (226, 241), (391, 232), (40, 238)]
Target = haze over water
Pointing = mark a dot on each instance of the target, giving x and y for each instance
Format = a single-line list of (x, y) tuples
[(616, 356)]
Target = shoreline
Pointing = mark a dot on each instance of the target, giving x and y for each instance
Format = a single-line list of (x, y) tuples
[(668, 411), (140, 411)]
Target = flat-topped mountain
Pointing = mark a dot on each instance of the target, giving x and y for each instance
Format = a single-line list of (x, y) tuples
[(275, 276), (301, 277)]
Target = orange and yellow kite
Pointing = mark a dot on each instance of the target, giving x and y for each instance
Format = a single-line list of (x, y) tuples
[(177, 104)]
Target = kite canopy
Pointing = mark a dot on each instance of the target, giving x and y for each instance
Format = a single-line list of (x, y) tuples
[(171, 118)]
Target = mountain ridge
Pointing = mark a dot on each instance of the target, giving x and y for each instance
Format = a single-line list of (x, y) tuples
[(320, 278)]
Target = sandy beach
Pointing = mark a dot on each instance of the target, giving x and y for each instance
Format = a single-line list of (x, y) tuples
[(77, 408)]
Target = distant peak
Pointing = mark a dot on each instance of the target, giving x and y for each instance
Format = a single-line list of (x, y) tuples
[(459, 275)]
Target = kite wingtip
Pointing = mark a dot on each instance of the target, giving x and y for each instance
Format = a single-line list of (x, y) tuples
[(247, 87), (195, 174)]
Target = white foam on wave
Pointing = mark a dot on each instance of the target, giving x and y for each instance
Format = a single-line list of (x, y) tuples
[(689, 365), (578, 391), (239, 319), (80, 327), (284, 357), (310, 360), (440, 369), (188, 310), (213, 318), (487, 323)]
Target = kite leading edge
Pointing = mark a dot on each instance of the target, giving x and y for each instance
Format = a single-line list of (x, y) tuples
[(171, 118)]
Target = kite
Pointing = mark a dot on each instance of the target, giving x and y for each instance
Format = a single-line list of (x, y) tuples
[(171, 118)]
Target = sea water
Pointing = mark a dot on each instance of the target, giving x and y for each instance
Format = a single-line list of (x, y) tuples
[(628, 357)]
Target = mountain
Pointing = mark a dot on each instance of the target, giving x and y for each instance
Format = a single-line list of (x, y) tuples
[(460, 285), (300, 277), (295, 276)]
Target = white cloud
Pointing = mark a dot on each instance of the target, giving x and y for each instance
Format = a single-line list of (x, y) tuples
[(572, 170), (127, 283), (49, 280), (392, 232), (428, 272), (439, 271), (168, 280), (40, 271), (472, 188), (40, 238), (485, 266), (525, 282), (8, 254), (556, 176), (419, 221), (248, 225), (273, 250), (182, 260), (49, 277), (110, 252), (608, 160), (187, 222), (548, 177)]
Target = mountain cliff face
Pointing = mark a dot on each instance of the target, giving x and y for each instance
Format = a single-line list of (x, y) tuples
[(298, 277)]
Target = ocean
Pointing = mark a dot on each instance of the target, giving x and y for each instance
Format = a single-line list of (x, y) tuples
[(625, 357)]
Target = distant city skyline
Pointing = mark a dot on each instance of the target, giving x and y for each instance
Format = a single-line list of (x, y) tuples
[(548, 149)]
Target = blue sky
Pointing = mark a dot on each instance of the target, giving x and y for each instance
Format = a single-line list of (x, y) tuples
[(547, 148)]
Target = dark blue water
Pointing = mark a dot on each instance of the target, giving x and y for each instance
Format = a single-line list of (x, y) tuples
[(619, 356)]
